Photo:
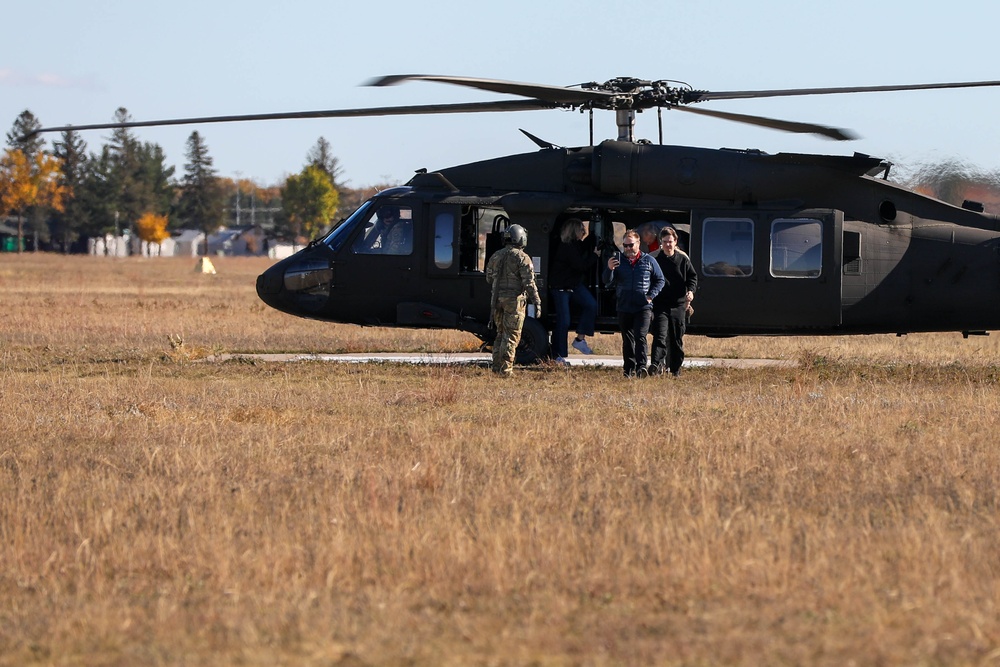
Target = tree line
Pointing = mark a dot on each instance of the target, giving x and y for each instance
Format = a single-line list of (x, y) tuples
[(63, 195)]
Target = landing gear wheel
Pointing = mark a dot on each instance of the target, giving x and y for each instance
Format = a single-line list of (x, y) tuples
[(534, 345)]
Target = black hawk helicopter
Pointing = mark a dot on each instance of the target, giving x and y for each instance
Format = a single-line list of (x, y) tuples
[(790, 244)]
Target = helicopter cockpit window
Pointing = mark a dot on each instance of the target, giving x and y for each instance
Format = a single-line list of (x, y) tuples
[(340, 232), (796, 248), (727, 247), (388, 232)]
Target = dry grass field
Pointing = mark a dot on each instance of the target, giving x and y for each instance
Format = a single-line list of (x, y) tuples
[(156, 509)]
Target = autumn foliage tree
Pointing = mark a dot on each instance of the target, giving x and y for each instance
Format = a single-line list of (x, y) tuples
[(152, 228), (309, 202), (26, 183)]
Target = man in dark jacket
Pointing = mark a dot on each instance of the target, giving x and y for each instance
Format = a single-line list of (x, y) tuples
[(637, 281), (670, 306)]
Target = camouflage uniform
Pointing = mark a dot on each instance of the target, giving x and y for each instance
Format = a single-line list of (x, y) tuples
[(512, 276), (397, 240)]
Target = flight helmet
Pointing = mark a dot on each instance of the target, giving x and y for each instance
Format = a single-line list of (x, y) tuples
[(515, 236)]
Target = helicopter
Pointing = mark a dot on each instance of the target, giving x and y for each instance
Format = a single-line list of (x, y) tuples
[(783, 244)]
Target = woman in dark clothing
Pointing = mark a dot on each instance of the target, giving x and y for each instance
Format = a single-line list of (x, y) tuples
[(573, 258)]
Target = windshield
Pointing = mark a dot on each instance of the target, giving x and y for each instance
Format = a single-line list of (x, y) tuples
[(336, 237)]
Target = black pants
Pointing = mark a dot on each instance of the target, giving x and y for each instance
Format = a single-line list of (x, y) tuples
[(668, 328), (635, 328)]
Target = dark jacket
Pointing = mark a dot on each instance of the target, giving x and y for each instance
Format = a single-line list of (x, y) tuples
[(570, 264), (679, 278), (634, 285)]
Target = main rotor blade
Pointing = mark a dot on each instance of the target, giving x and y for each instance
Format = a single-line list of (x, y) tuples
[(555, 94), (704, 96), (775, 124), (471, 107)]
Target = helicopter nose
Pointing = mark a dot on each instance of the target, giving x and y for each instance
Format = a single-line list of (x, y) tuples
[(299, 284), (271, 288), (270, 283)]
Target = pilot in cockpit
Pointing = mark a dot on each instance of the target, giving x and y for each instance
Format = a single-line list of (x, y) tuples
[(392, 234)]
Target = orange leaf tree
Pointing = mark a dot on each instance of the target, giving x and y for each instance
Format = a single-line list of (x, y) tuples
[(26, 183), (152, 228)]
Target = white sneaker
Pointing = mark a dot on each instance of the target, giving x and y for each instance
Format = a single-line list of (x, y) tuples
[(582, 346)]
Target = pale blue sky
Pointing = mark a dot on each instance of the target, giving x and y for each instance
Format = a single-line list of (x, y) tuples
[(76, 62)]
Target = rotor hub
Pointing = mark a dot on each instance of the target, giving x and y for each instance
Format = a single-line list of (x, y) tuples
[(639, 94)]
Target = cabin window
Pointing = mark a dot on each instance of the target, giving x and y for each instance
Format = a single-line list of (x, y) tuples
[(478, 224), (796, 248), (444, 234), (727, 247), (389, 231)]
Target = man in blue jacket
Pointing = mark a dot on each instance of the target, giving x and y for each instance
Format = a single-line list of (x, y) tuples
[(637, 280)]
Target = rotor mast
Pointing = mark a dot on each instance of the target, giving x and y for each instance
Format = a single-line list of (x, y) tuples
[(626, 124)]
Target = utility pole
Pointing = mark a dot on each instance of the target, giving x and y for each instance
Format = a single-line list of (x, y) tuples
[(238, 174)]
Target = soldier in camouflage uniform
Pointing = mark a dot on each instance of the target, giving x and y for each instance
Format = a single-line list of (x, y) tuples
[(512, 276), (397, 239), (394, 235)]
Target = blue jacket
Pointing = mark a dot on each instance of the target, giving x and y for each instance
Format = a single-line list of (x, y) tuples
[(635, 286)]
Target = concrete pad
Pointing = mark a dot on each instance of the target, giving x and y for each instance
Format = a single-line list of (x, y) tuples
[(480, 359)]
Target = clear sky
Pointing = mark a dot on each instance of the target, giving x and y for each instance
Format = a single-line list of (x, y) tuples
[(76, 62)]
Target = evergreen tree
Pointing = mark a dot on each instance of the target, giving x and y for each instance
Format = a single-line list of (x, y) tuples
[(18, 138), (97, 197), (156, 191), (124, 162), (321, 155), (127, 180), (67, 225), (202, 200)]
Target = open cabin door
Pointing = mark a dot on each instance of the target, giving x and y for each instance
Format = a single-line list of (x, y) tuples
[(764, 271)]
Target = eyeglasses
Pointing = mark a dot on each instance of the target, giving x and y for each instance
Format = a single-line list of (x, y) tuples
[(628, 245)]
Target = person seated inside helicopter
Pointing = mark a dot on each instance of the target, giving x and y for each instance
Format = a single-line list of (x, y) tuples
[(649, 236), (390, 233)]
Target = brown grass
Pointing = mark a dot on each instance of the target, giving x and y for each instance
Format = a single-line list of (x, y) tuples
[(159, 510)]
